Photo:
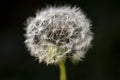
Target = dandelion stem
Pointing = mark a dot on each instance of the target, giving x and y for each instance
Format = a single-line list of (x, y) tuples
[(62, 71)]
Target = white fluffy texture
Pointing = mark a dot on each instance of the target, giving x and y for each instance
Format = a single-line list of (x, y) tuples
[(61, 28)]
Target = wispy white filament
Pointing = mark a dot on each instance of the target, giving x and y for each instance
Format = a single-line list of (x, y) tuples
[(64, 28)]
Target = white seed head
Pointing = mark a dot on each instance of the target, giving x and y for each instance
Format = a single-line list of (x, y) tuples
[(58, 33)]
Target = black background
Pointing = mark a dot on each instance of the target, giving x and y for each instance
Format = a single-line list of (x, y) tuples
[(102, 61)]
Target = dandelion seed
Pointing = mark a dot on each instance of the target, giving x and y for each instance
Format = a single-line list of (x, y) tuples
[(58, 33)]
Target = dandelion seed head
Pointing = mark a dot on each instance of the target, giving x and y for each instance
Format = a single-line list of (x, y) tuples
[(58, 33)]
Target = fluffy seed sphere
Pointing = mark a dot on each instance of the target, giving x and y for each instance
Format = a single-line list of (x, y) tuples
[(58, 33)]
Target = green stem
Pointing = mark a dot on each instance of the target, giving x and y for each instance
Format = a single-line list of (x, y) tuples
[(62, 71)]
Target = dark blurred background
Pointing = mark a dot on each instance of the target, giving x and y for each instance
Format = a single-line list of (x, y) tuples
[(102, 61)]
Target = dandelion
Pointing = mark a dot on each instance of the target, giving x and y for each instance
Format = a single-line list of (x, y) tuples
[(58, 33)]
